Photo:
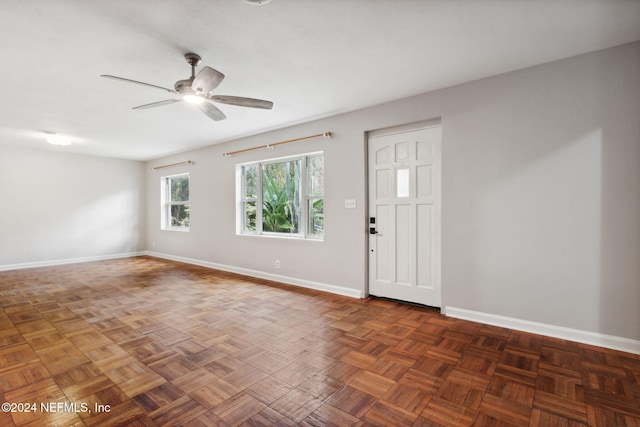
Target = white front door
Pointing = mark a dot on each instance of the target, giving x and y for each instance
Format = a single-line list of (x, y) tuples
[(404, 216)]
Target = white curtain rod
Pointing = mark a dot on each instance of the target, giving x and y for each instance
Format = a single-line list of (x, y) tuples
[(231, 153)]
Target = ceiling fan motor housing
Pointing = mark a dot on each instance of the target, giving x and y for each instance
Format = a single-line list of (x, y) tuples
[(184, 86)]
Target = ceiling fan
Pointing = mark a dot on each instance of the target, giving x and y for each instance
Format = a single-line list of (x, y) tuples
[(198, 89)]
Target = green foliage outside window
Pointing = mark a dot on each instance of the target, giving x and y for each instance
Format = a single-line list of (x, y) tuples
[(316, 217), (281, 197), (178, 201), (284, 197)]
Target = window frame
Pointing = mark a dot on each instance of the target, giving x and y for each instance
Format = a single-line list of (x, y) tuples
[(304, 224), (167, 203), (244, 199), (308, 197)]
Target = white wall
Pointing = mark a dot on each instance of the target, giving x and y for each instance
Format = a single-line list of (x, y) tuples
[(541, 195), (338, 260), (58, 206)]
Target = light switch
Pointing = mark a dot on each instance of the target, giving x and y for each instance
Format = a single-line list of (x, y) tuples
[(350, 204)]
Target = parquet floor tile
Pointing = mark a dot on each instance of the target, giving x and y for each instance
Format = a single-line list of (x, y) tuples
[(386, 414), (82, 381), (149, 342), (238, 408), (269, 389), (408, 397), (371, 383), (327, 415)]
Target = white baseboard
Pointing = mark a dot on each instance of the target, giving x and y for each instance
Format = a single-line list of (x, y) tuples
[(49, 263), (334, 289), (592, 338), (586, 337)]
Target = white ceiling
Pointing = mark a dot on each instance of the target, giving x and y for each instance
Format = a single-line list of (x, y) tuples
[(311, 58)]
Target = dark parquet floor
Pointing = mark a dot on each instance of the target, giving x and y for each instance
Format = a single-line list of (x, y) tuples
[(149, 342)]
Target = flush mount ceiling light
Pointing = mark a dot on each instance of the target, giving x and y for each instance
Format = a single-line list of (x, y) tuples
[(55, 139), (257, 2)]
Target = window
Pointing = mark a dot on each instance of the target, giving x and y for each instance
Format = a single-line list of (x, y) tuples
[(175, 202), (282, 197)]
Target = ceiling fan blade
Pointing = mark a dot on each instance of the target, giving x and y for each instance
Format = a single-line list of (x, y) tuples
[(242, 102), (212, 111), (207, 80), (136, 82), (157, 104)]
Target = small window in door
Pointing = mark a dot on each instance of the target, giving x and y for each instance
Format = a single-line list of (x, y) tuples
[(402, 182)]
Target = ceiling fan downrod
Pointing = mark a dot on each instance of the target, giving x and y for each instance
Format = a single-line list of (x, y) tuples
[(194, 60)]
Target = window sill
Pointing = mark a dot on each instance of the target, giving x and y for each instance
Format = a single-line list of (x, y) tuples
[(284, 237)]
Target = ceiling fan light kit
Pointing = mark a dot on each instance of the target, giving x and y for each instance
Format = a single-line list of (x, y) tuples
[(193, 99), (198, 89)]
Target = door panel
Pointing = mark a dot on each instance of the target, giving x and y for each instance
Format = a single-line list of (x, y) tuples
[(404, 197), (382, 266), (424, 181), (382, 184), (403, 245), (424, 239)]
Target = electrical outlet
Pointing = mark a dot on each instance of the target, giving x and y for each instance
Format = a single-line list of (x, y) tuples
[(350, 204), (277, 263)]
